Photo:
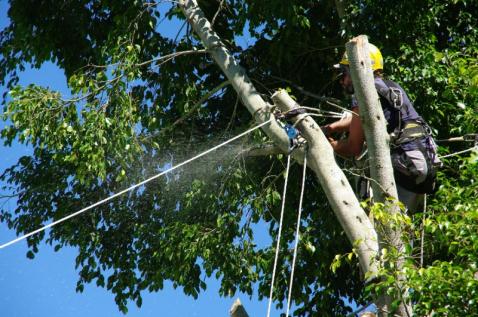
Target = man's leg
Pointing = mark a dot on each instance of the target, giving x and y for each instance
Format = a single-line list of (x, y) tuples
[(412, 201)]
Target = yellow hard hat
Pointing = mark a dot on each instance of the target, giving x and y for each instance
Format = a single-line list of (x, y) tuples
[(376, 59)]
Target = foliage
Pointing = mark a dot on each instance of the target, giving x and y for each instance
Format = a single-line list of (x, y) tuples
[(448, 282), (440, 275), (135, 110), (435, 59)]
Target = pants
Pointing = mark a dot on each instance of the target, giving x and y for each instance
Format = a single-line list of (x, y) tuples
[(412, 201)]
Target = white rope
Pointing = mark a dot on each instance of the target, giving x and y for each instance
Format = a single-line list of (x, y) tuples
[(322, 111), (133, 187), (422, 237), (297, 236), (341, 108), (278, 236), (458, 153), (305, 115), (335, 116)]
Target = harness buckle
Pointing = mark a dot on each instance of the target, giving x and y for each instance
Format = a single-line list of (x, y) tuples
[(293, 135), (295, 139), (396, 97)]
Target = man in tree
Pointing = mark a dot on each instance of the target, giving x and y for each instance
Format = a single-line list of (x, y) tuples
[(413, 150)]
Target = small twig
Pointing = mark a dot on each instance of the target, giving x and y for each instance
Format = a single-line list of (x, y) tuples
[(367, 178), (153, 4), (219, 8), (303, 91), (233, 115), (110, 81), (170, 56), (179, 32), (8, 196), (193, 109)]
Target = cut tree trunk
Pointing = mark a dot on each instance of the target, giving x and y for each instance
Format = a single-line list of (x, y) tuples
[(381, 170)]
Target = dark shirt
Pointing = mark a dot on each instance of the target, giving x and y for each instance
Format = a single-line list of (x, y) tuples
[(395, 118)]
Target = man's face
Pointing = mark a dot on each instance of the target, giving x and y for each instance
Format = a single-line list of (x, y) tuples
[(346, 83)]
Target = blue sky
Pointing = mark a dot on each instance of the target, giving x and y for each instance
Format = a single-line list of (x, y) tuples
[(45, 286)]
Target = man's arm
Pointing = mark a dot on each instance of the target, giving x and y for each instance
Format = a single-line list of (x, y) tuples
[(339, 126), (352, 146)]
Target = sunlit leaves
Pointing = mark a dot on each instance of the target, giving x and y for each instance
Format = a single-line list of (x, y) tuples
[(448, 280), (78, 134), (132, 114)]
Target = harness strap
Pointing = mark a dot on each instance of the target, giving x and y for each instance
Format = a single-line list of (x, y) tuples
[(406, 131), (412, 131), (393, 95)]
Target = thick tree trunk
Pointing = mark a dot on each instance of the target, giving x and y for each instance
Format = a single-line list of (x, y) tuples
[(373, 120), (352, 217), (381, 170)]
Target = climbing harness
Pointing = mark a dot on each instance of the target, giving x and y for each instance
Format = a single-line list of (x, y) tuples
[(293, 134), (413, 150), (412, 131)]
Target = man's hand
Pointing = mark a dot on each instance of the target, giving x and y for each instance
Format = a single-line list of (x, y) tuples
[(333, 142), (326, 130)]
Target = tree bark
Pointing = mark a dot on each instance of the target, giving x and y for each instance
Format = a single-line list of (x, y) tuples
[(373, 120), (381, 170)]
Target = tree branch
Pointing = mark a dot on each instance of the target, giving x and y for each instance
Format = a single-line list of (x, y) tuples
[(347, 208)]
